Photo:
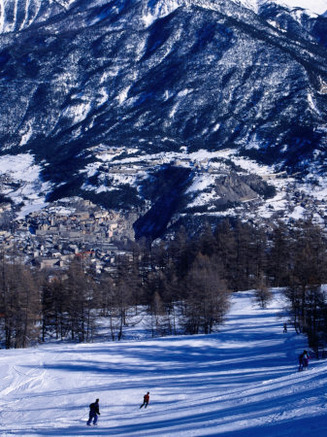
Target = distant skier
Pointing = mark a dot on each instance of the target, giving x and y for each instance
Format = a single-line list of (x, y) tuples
[(285, 328), (304, 360), (94, 412), (146, 399)]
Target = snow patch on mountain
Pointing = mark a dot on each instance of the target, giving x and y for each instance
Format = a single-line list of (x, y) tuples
[(122, 96), (77, 112), (27, 133), (159, 9), (20, 180), (317, 6), (16, 15), (312, 104), (154, 10), (203, 190), (20, 167)]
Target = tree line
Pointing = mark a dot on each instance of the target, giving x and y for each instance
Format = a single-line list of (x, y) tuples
[(183, 285)]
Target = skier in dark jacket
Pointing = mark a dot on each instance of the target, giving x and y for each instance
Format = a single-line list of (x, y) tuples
[(146, 399), (94, 412), (304, 360)]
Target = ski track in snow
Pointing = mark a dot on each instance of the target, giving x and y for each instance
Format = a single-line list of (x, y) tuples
[(242, 381)]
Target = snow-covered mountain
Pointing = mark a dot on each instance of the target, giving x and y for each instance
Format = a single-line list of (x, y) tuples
[(175, 108), (16, 15), (317, 7), (240, 382)]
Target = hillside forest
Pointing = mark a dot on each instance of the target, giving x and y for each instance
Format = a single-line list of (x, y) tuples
[(180, 286)]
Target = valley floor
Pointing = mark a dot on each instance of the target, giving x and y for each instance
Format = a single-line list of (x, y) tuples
[(242, 381)]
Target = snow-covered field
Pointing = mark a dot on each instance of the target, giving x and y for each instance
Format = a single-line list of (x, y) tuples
[(242, 381)]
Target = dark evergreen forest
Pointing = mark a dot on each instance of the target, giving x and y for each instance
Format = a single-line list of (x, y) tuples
[(184, 285)]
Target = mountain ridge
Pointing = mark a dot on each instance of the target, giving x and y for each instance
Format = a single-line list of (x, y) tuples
[(19, 15)]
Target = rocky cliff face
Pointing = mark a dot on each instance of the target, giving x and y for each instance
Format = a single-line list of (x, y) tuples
[(88, 86)]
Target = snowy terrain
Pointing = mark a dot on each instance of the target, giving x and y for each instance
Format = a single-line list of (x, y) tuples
[(16, 15), (242, 381), (127, 100), (317, 6), (23, 182)]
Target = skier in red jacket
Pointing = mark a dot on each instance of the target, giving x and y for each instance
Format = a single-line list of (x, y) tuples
[(146, 399)]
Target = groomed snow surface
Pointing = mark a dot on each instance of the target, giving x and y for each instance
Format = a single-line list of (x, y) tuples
[(242, 381)]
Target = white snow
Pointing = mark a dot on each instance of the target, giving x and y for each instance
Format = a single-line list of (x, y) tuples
[(312, 104), (24, 183), (155, 10), (252, 166), (201, 182), (240, 382), (314, 6), (9, 13), (148, 19), (203, 187), (298, 213), (28, 132), (122, 96), (21, 167), (318, 190), (77, 112), (103, 96), (317, 6), (65, 3)]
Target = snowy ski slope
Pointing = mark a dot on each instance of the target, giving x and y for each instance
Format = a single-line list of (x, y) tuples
[(240, 382)]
